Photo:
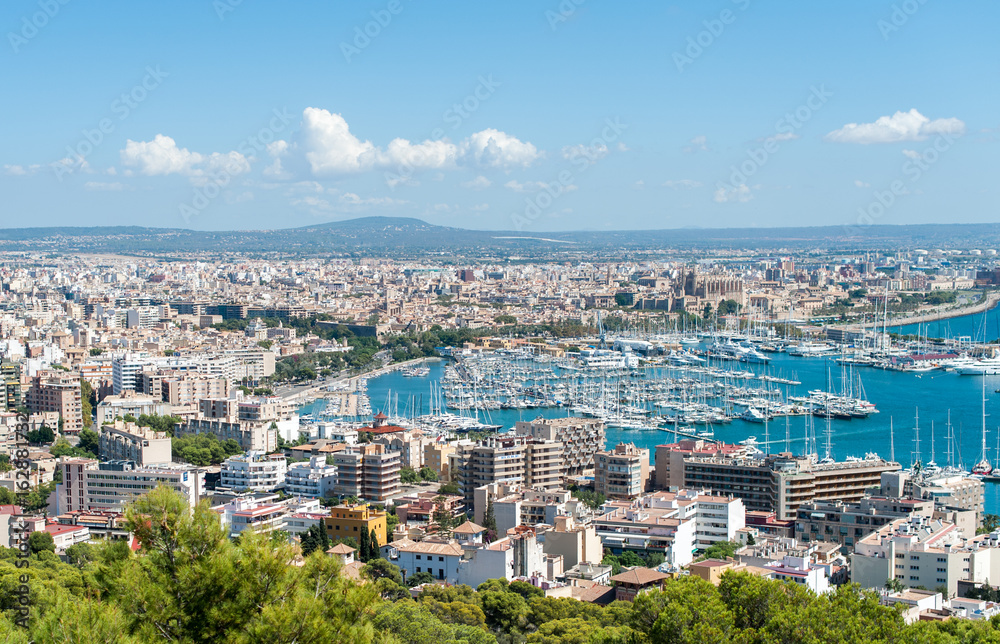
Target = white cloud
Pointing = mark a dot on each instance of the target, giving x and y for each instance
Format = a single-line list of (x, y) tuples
[(482, 207), (162, 156), (861, 184), (781, 136), (740, 193), (911, 154), (334, 200), (591, 152), (159, 156), (535, 186), (640, 184), (106, 187), (15, 170), (479, 183), (697, 144), (330, 148), (686, 184), (901, 126), (277, 148), (419, 156), (238, 198), (495, 149)]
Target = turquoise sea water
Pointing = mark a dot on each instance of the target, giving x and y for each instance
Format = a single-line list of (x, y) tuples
[(898, 397), (979, 327)]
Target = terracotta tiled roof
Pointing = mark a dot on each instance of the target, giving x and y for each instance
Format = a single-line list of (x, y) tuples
[(639, 576), (469, 528)]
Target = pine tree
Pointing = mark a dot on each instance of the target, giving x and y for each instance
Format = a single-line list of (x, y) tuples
[(490, 522), (324, 538), (308, 541), (366, 544)]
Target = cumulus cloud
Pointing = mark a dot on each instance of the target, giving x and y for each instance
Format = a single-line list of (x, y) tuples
[(162, 156), (479, 183), (686, 184), (495, 149), (331, 148), (911, 154), (901, 126), (861, 184), (740, 193)]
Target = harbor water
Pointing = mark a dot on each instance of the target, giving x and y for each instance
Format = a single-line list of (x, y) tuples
[(898, 396)]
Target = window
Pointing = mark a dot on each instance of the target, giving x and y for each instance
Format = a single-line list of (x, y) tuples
[(418, 557), (418, 568), (440, 558)]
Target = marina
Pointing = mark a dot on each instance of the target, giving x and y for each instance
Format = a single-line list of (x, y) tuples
[(663, 403)]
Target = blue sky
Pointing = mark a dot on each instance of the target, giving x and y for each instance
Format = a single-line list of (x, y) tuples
[(534, 116)]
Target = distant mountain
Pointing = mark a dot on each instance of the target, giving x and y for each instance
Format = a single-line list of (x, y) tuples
[(405, 237)]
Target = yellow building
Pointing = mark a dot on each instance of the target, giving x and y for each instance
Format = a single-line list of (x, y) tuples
[(347, 520), (436, 458)]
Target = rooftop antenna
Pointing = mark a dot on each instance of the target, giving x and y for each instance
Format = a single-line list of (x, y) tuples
[(916, 437)]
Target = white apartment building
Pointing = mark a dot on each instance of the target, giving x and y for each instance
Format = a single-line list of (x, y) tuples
[(676, 523), (313, 478), (923, 552), (440, 559), (129, 403), (255, 471), (126, 370), (250, 514), (129, 442), (250, 436), (88, 486)]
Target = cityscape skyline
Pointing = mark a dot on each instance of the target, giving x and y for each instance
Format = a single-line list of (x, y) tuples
[(734, 115)]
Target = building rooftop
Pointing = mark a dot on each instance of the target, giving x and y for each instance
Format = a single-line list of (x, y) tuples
[(639, 576)]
